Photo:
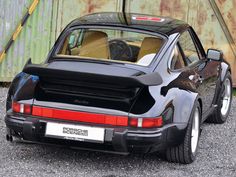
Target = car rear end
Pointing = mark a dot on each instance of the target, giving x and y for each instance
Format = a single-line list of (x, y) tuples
[(93, 92), (77, 109)]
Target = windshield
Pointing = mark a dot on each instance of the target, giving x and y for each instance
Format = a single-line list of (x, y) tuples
[(111, 44)]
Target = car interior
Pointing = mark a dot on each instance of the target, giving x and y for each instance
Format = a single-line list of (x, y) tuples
[(115, 45)]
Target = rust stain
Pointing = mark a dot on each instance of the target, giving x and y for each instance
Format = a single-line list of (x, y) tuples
[(177, 7), (202, 17), (164, 7), (228, 12), (93, 5), (232, 19), (174, 8), (142, 7), (221, 1)]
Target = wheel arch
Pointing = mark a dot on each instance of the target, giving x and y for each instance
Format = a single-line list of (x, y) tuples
[(185, 103), (225, 67), (22, 88), (15, 84)]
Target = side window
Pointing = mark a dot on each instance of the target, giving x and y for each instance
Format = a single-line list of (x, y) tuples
[(177, 61), (188, 47), (72, 43)]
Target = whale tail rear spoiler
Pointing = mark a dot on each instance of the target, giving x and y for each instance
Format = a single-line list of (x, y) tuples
[(43, 71)]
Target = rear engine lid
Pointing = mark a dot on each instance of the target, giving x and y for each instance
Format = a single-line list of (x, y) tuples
[(89, 84)]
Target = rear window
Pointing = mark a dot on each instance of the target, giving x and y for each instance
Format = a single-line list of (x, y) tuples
[(111, 44)]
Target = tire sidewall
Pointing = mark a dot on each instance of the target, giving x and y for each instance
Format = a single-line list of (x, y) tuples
[(191, 154), (218, 112)]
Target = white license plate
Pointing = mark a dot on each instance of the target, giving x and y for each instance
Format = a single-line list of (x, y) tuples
[(74, 132)]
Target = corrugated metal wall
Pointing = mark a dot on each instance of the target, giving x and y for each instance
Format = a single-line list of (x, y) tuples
[(201, 15), (51, 16), (64, 15), (33, 41), (42, 28), (10, 15), (228, 11)]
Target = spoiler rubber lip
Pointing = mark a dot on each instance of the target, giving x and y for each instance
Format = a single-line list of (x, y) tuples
[(41, 70)]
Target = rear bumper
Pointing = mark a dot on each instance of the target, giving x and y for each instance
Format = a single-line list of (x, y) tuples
[(122, 140)]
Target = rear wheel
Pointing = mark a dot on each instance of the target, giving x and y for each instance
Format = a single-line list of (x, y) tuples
[(186, 152), (223, 103)]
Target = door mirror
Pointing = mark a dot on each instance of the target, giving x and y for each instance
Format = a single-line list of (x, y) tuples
[(213, 54)]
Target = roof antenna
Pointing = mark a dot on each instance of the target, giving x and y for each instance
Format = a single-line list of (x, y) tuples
[(123, 11)]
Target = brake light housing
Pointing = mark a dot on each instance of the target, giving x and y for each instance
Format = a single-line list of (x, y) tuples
[(21, 108), (148, 18), (87, 117), (146, 122)]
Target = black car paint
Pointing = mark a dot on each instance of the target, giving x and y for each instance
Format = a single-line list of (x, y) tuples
[(176, 92)]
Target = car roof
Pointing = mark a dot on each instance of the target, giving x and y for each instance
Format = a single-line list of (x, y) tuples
[(158, 24)]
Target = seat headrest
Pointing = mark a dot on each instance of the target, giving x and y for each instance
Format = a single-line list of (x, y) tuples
[(95, 45), (149, 45)]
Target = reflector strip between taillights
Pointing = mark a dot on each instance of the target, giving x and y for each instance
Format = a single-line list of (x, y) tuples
[(80, 116), (86, 117)]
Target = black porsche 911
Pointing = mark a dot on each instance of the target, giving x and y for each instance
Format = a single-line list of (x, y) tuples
[(122, 83)]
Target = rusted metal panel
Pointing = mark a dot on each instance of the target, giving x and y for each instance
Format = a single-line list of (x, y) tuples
[(32, 42), (210, 31), (65, 15), (10, 15), (201, 16), (42, 28), (227, 9), (228, 12), (173, 8)]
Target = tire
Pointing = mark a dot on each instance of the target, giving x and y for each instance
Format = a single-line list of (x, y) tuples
[(221, 113), (185, 153)]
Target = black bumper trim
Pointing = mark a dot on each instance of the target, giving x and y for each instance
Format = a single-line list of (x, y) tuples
[(118, 139)]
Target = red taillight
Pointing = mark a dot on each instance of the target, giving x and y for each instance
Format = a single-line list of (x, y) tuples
[(149, 123), (146, 122), (16, 107), (133, 122), (27, 109), (21, 108)]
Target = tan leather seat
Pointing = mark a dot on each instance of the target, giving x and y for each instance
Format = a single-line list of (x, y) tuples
[(95, 45), (149, 45)]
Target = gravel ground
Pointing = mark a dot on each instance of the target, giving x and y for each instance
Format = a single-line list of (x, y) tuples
[(216, 157)]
